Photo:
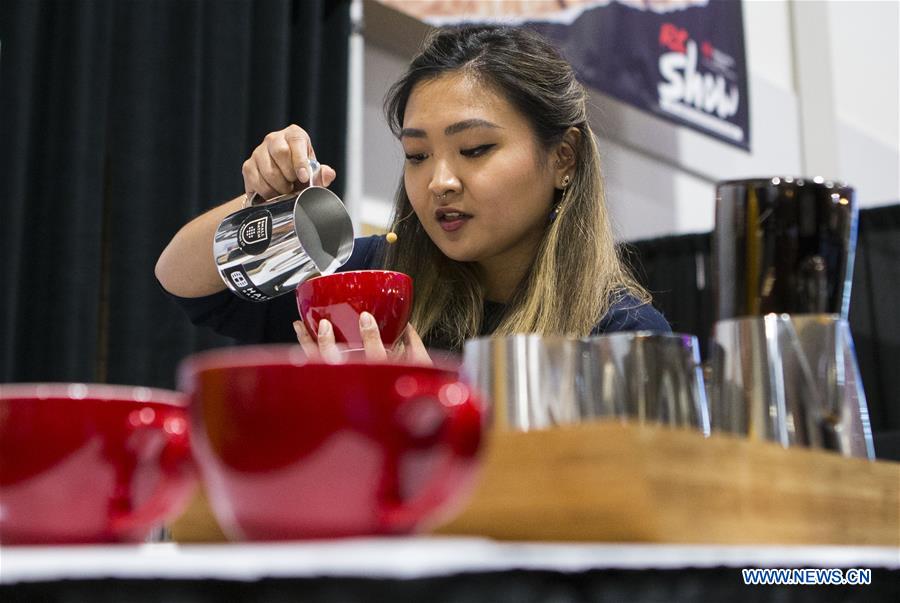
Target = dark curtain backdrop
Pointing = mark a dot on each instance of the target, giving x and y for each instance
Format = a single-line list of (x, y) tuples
[(875, 319), (676, 270), (121, 120)]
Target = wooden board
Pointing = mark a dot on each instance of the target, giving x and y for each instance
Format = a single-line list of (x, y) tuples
[(611, 481), (197, 523), (624, 482)]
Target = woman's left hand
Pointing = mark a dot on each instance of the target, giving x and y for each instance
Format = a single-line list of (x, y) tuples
[(409, 349)]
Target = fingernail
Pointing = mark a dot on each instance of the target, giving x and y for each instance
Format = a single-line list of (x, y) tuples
[(324, 327), (366, 320), (303, 175), (298, 327)]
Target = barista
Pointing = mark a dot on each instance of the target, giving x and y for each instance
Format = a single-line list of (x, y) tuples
[(500, 215)]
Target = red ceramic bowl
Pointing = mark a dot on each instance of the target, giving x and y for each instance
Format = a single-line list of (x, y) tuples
[(290, 449), (91, 463), (343, 296)]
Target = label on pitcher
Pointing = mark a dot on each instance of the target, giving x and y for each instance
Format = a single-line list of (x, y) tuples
[(255, 232), (242, 285)]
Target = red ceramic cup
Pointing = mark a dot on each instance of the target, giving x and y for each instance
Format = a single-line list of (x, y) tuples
[(343, 296), (289, 449), (91, 463)]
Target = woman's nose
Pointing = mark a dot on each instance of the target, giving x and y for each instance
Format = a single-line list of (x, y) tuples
[(443, 180)]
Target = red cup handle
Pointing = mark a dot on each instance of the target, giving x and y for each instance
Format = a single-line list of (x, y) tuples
[(175, 486), (459, 429)]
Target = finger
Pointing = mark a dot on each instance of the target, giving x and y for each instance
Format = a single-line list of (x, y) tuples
[(253, 183), (327, 347), (301, 150), (328, 174), (415, 349), (280, 154), (306, 341), (371, 338), (269, 172)]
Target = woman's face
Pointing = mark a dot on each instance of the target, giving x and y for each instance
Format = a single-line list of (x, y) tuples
[(477, 180)]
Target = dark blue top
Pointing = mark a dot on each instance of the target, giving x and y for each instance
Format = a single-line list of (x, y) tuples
[(271, 321)]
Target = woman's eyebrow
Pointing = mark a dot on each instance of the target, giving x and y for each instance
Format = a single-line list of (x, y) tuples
[(451, 129), (466, 124), (412, 133)]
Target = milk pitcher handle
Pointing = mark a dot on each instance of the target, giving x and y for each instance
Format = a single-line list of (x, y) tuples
[(315, 169)]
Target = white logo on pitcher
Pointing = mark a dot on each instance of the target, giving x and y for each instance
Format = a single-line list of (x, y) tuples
[(238, 279), (254, 231)]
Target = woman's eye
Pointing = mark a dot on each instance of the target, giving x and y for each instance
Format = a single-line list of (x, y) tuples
[(477, 151), (416, 157)]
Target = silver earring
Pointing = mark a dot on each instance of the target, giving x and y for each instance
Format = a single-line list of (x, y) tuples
[(565, 181)]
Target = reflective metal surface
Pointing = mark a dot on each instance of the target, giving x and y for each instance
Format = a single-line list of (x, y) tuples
[(535, 382), (791, 379), (267, 249), (783, 245)]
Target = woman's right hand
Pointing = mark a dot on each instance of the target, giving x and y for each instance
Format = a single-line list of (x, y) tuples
[(280, 164)]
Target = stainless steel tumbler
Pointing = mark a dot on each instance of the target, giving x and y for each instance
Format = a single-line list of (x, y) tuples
[(791, 379), (782, 365), (783, 245), (536, 382)]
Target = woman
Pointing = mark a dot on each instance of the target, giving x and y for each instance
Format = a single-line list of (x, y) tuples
[(500, 212)]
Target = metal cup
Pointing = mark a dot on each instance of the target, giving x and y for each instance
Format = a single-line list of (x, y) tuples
[(535, 382), (791, 379), (783, 245), (268, 248)]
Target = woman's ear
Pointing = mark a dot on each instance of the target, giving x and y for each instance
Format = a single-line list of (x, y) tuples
[(566, 155)]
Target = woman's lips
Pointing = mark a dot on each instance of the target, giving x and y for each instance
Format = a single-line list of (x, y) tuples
[(453, 222), (451, 219), (451, 225)]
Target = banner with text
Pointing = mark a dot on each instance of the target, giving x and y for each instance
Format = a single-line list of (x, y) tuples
[(682, 60)]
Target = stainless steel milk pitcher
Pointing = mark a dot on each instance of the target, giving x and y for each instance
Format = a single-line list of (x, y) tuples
[(268, 248)]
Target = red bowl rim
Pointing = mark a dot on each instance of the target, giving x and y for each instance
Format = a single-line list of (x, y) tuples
[(92, 391), (289, 354), (402, 275)]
